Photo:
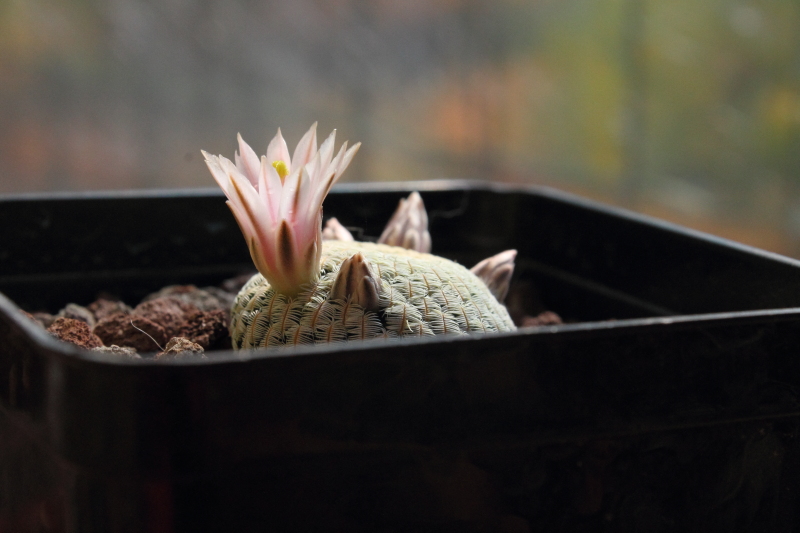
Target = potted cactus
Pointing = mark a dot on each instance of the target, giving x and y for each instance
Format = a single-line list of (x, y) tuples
[(671, 399), (321, 286)]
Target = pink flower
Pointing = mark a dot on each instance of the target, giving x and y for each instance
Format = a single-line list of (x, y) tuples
[(277, 202)]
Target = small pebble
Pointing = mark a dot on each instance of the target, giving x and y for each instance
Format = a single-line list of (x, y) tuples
[(122, 351), (181, 348)]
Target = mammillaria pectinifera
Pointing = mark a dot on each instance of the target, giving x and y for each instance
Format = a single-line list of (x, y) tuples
[(321, 286)]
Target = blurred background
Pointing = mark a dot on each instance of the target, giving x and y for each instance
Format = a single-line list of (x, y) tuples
[(686, 110)]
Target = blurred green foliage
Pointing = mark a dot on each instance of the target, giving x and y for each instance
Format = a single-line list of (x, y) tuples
[(686, 109)]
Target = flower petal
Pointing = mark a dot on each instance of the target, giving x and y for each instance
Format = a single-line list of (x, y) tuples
[(278, 151), (220, 176), (281, 219), (291, 188), (323, 158), (306, 148), (247, 163), (270, 187), (345, 162), (328, 180), (246, 200)]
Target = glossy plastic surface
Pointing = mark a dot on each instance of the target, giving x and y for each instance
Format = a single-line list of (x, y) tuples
[(671, 398)]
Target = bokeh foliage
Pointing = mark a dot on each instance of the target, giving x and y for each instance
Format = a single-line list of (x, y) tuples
[(686, 109)]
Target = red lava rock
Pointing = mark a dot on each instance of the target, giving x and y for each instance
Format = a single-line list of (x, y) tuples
[(163, 318), (181, 348), (171, 290), (117, 329), (208, 329), (547, 318), (74, 331), (200, 298), (225, 298), (234, 285), (45, 319), (524, 301), (78, 312), (104, 308), (33, 318), (201, 317), (169, 312)]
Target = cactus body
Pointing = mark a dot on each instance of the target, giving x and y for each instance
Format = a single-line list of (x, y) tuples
[(420, 295), (309, 290)]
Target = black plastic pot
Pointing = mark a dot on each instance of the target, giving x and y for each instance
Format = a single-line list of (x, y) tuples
[(670, 403)]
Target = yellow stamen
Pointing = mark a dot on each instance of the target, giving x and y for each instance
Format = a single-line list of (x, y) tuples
[(281, 167)]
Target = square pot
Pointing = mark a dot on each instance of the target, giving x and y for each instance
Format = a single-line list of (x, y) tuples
[(669, 400)]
